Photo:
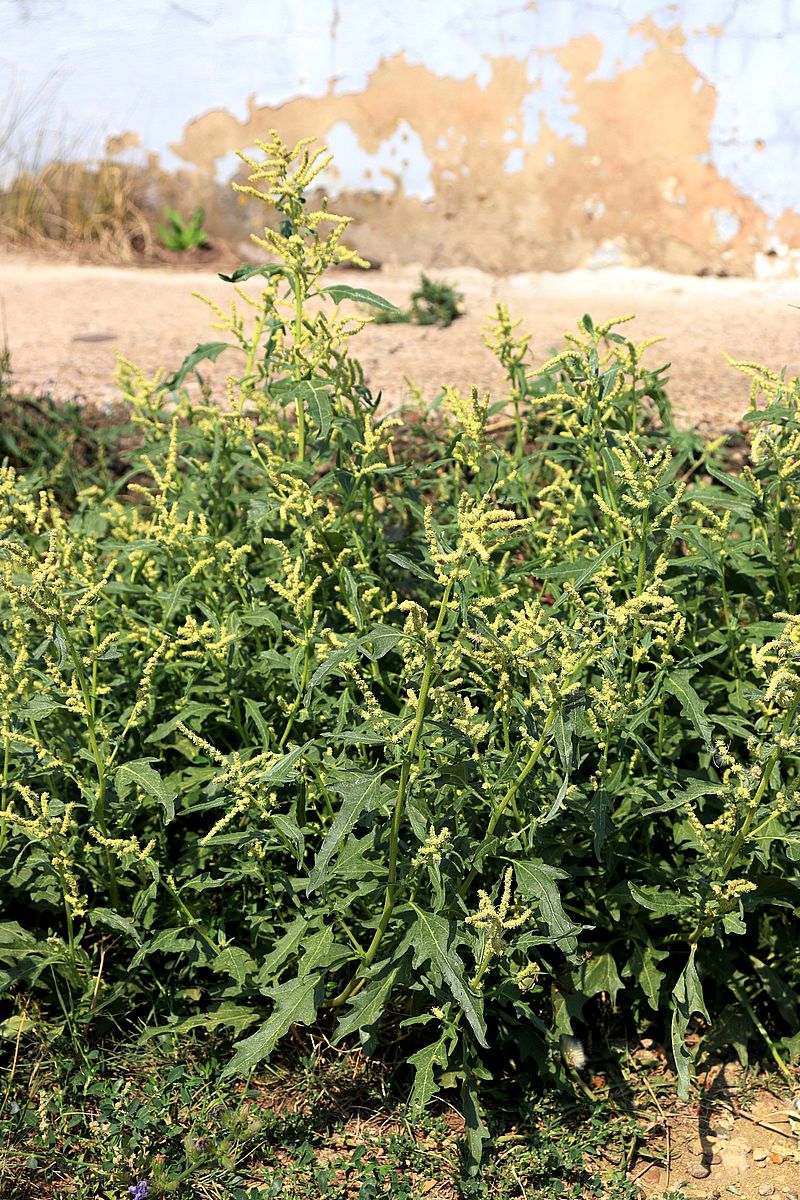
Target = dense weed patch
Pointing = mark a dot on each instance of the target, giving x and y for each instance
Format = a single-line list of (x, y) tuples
[(459, 751)]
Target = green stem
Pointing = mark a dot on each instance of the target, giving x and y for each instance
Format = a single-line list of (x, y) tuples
[(298, 700), (660, 745), (300, 408), (191, 918), (517, 429), (729, 626), (390, 895), (68, 915), (510, 794), (640, 577), (99, 804), (4, 823)]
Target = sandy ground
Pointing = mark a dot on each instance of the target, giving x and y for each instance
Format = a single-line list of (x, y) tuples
[(64, 321)]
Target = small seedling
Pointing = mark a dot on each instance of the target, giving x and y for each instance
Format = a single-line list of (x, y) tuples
[(182, 235), (432, 303)]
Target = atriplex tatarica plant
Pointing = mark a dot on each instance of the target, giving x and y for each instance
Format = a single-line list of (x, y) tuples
[(440, 741)]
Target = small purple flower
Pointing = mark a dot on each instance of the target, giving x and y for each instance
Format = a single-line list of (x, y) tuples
[(140, 1190)]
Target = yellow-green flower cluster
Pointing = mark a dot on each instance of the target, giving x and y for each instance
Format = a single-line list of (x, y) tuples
[(433, 848), (468, 422), (242, 780), (481, 529), (55, 829), (778, 662), (496, 920)]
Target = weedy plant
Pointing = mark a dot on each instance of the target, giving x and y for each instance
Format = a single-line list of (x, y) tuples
[(177, 234), (464, 750), (434, 302)]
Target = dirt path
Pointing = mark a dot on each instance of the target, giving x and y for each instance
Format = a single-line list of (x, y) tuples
[(64, 322)]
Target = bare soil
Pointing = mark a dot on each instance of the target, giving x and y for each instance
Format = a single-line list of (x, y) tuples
[(736, 1136), (65, 321)]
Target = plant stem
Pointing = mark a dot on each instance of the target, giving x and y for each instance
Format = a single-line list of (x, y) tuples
[(191, 918), (300, 407), (390, 895), (99, 804), (510, 794)]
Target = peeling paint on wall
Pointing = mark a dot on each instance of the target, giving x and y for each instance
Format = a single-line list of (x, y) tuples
[(503, 132)]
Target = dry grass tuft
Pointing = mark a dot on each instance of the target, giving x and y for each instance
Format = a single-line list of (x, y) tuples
[(100, 207)]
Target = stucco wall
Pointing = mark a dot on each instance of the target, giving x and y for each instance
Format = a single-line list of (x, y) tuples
[(513, 135)]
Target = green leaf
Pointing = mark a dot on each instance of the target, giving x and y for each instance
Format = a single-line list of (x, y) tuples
[(600, 975), (360, 793), (537, 881), (38, 708), (284, 769), (785, 998), (425, 1062), (296, 1003), (687, 999), (379, 641), (168, 941), (644, 968), (14, 937), (600, 808), (229, 1015), (106, 916), (207, 352), (367, 1006), (563, 732), (731, 1027), (140, 774), (350, 589), (677, 682), (342, 291), (290, 831), (663, 904), (580, 571), (408, 564), (248, 270), (234, 961), (317, 400), (332, 661), (320, 950), (253, 710), (194, 709), (285, 948), (433, 939), (476, 1132)]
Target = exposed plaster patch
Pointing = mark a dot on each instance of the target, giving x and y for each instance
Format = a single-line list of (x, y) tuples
[(671, 192), (607, 254), (549, 103), (515, 161), (398, 164), (726, 224), (230, 164), (777, 260)]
